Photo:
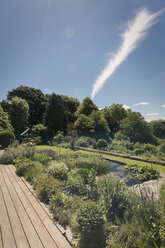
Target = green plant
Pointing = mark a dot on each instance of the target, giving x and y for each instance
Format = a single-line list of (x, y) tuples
[(6, 137), (162, 214), (114, 197), (75, 185), (58, 170), (90, 225), (46, 187), (143, 173), (43, 158), (29, 169), (18, 152), (101, 143)]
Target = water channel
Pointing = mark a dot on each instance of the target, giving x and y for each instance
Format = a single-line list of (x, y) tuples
[(120, 171)]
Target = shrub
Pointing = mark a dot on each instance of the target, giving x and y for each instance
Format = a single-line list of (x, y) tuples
[(18, 152), (114, 197), (142, 173), (75, 185), (84, 141), (43, 158), (141, 230), (58, 170), (6, 137), (101, 143), (101, 166), (84, 173), (90, 225), (46, 187), (162, 214), (51, 153), (59, 138), (29, 169)]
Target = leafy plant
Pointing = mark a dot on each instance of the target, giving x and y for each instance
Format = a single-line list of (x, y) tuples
[(6, 137), (46, 187), (143, 173), (90, 225), (101, 143), (58, 170)]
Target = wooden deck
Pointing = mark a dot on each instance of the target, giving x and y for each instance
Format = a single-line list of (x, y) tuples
[(24, 222)]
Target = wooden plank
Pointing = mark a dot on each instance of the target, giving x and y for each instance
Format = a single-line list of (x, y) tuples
[(19, 235), (1, 244), (37, 222), (6, 230), (29, 229), (54, 231)]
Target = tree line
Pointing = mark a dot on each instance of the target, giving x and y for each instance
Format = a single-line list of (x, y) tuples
[(50, 113)]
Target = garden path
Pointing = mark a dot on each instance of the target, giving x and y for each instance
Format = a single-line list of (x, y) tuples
[(23, 220)]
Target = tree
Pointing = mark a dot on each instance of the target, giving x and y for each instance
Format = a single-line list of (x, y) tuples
[(36, 100), (18, 110), (55, 117), (83, 124), (158, 128), (135, 128), (113, 115), (86, 107), (100, 124), (71, 104), (4, 121)]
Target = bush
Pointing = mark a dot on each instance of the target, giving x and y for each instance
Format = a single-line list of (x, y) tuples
[(84, 141), (43, 158), (18, 152), (90, 225), (59, 138), (46, 188), (101, 143), (29, 169), (162, 214), (75, 185), (51, 153), (6, 137), (143, 173), (114, 197), (101, 166), (141, 230), (58, 170)]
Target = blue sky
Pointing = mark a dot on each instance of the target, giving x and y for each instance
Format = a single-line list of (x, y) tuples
[(63, 46)]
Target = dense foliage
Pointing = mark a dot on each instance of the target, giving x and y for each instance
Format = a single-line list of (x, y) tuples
[(101, 211)]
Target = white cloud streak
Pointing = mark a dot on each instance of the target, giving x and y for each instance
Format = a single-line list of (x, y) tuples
[(163, 106), (141, 103), (136, 31), (152, 114)]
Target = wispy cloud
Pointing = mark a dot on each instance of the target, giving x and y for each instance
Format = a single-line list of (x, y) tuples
[(136, 31), (126, 106), (163, 106), (141, 103), (152, 114)]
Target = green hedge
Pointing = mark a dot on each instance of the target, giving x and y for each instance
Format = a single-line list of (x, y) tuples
[(6, 137)]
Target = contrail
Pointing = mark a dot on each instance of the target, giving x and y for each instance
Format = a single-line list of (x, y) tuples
[(136, 31)]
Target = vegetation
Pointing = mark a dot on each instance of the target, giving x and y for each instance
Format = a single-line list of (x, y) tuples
[(6, 137), (143, 173), (78, 186)]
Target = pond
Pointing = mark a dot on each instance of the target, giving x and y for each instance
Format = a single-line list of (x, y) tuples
[(120, 171)]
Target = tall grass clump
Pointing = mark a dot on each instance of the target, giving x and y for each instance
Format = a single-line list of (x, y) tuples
[(18, 152)]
